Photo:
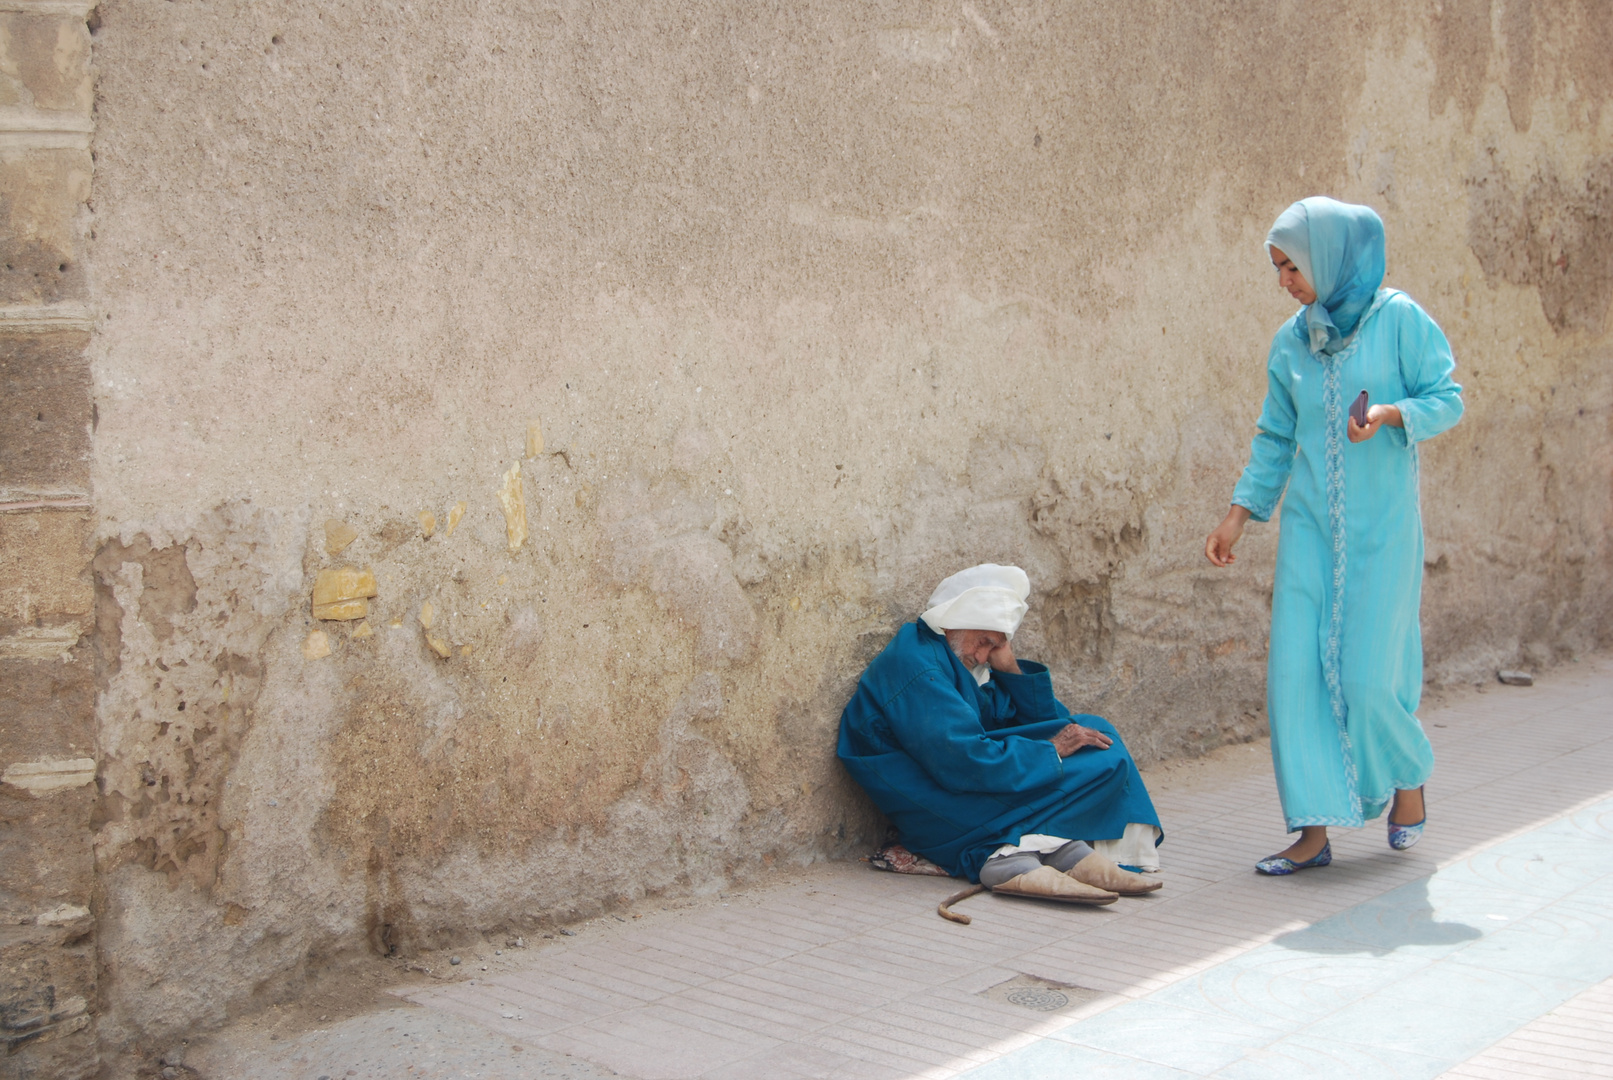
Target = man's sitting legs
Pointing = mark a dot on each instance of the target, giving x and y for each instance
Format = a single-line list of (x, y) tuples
[(1075, 859)]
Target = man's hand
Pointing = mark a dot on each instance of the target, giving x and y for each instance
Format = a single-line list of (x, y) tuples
[(1002, 659), (1074, 736)]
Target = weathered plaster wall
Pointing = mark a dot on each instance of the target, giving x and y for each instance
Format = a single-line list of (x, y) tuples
[(813, 306)]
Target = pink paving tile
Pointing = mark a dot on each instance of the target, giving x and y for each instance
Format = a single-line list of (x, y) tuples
[(791, 1062), (903, 1032), (656, 1043), (822, 987), (775, 1023), (758, 997), (563, 996), (881, 1051), (607, 969), (764, 942)]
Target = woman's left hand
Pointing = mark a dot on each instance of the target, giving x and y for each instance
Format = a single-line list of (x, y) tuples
[(1377, 417)]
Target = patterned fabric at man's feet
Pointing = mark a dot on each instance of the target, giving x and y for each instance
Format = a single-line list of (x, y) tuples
[(1277, 866), (899, 860)]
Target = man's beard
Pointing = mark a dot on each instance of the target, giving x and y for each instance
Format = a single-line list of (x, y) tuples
[(982, 672)]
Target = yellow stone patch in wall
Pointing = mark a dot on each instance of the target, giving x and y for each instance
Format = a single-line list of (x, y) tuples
[(453, 518), (513, 501), (534, 438), (338, 534), (427, 614), (343, 610), (428, 523), (317, 646), (340, 594), (439, 646), (363, 630)]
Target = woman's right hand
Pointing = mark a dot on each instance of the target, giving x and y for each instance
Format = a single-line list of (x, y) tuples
[(1218, 545)]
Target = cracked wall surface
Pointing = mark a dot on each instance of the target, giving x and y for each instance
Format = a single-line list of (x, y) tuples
[(656, 362)]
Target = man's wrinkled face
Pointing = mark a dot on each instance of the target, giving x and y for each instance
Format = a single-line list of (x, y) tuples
[(974, 647)]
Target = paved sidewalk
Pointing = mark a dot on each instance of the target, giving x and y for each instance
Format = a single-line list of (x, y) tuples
[(1485, 951)]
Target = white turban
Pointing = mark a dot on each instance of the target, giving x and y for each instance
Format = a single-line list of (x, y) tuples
[(984, 597)]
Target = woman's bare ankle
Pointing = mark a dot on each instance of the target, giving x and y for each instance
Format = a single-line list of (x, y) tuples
[(1312, 840), (1408, 807)]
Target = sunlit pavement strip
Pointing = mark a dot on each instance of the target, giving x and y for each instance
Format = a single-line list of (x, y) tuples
[(1495, 927), (1574, 1039), (1406, 985)]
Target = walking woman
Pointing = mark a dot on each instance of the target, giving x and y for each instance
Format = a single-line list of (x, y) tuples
[(1345, 668)]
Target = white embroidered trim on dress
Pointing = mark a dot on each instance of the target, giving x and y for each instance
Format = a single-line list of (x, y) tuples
[(1332, 646)]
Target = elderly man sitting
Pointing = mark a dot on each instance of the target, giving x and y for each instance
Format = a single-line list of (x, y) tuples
[(982, 770)]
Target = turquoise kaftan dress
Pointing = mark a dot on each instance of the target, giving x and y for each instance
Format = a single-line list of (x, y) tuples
[(1344, 675)]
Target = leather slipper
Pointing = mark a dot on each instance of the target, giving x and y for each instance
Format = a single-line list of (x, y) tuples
[(1100, 873), (1046, 883)]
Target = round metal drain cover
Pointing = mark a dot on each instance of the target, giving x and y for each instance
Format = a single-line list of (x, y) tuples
[(1039, 998)]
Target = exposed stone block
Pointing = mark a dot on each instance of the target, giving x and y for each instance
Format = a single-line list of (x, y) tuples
[(45, 62), (47, 980), (45, 846), (39, 225), (45, 401), (44, 568), (47, 709)]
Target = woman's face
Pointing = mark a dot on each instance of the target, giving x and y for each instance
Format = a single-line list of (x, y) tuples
[(1289, 277)]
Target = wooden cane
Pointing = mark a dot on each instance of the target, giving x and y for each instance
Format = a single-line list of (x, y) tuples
[(944, 908)]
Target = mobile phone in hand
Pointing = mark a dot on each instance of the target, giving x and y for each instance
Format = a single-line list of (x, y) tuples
[(1358, 411)]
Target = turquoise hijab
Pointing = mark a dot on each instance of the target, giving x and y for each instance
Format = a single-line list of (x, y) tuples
[(1338, 246)]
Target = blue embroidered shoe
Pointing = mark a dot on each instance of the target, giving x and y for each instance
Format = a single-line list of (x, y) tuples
[(1402, 837), (1277, 866)]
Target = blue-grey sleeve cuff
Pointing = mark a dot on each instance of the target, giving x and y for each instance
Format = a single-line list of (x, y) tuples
[(1031, 691), (1256, 513)]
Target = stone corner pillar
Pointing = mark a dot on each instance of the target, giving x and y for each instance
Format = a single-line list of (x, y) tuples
[(48, 794)]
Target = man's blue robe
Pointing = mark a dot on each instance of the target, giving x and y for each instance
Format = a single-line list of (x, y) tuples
[(961, 769)]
